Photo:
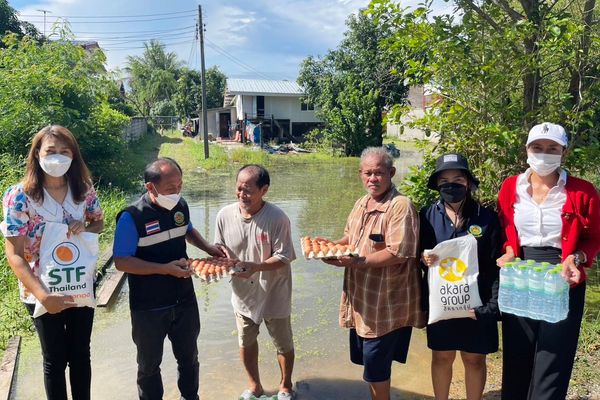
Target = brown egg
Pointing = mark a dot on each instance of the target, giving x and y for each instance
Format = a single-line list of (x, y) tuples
[(204, 271)]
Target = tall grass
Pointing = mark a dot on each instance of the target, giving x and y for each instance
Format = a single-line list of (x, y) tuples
[(12, 313), (244, 155)]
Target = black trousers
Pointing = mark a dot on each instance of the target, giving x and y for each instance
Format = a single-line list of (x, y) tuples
[(538, 356), (181, 324), (65, 339)]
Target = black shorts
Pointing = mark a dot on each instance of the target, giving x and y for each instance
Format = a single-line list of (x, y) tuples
[(463, 334), (377, 354)]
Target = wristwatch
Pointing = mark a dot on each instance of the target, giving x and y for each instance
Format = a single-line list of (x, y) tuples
[(577, 259)]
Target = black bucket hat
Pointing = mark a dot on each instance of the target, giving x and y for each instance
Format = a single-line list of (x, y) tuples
[(451, 161)]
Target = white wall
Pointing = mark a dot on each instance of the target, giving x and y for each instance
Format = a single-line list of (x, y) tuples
[(403, 131), (239, 107), (282, 107), (288, 108), (213, 124)]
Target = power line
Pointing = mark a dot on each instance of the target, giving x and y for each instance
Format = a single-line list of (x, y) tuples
[(143, 47), (136, 41), (137, 37), (192, 50), (117, 22), (234, 59), (133, 32), (116, 16)]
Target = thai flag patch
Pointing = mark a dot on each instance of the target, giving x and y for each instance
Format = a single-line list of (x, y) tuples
[(152, 227)]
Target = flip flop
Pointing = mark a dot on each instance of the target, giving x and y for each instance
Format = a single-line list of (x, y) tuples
[(286, 395), (247, 395)]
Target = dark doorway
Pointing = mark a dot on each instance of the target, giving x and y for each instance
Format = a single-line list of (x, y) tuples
[(224, 122), (260, 106)]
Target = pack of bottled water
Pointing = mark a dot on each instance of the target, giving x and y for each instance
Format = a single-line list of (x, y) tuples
[(534, 290)]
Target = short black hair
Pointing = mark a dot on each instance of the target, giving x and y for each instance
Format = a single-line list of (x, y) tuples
[(152, 172), (260, 173)]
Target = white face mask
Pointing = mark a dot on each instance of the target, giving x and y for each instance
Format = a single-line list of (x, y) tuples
[(55, 165), (544, 164), (167, 201)]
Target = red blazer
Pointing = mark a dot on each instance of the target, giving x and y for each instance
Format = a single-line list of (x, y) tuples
[(580, 219)]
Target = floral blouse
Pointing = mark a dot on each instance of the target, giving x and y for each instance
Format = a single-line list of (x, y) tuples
[(25, 217)]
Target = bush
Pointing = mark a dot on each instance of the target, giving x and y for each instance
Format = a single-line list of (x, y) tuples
[(57, 83)]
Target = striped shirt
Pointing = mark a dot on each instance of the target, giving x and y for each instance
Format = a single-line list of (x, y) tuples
[(376, 301)]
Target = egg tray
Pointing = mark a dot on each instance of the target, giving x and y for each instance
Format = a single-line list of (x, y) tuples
[(212, 269), (321, 249)]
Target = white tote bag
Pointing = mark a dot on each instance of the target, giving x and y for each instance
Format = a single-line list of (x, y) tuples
[(68, 265), (453, 289)]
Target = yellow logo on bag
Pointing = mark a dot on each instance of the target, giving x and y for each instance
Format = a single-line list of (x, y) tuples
[(452, 269)]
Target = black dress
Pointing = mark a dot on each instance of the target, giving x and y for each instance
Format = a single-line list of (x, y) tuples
[(466, 334)]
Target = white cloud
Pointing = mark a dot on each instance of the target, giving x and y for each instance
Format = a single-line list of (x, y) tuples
[(267, 35)]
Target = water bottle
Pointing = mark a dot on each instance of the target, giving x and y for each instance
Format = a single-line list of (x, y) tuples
[(556, 295), (536, 291), (546, 265), (564, 288), (506, 293), (521, 295)]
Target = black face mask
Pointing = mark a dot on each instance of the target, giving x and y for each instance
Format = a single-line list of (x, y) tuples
[(452, 192)]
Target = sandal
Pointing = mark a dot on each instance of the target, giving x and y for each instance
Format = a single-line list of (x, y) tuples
[(286, 395), (248, 395)]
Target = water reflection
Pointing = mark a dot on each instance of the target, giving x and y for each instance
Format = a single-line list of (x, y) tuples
[(317, 198)]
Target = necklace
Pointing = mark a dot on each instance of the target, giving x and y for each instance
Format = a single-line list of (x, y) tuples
[(457, 216)]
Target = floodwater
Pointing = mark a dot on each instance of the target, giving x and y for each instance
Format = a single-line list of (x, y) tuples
[(317, 197)]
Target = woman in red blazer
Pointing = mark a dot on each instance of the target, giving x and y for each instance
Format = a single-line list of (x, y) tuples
[(546, 215)]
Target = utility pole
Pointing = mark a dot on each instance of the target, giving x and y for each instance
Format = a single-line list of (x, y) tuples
[(44, 11), (203, 70)]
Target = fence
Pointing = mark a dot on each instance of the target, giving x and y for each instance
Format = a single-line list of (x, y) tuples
[(136, 129)]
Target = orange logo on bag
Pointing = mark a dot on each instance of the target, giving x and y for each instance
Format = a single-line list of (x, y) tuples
[(65, 253), (452, 269)]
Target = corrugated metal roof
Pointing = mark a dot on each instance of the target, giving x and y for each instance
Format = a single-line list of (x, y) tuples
[(260, 86)]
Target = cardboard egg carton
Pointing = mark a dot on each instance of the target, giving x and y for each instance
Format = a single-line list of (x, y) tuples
[(325, 249), (212, 269)]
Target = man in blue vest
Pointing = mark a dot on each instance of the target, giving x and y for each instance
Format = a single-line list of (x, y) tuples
[(150, 245)]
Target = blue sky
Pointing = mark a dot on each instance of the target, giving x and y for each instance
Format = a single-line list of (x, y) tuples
[(246, 39)]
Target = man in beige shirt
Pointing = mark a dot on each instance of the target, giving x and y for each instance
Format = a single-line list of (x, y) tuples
[(258, 234), (381, 297)]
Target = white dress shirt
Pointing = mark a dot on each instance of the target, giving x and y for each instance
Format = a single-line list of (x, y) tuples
[(540, 224)]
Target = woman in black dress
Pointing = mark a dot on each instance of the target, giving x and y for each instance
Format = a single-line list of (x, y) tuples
[(457, 214)]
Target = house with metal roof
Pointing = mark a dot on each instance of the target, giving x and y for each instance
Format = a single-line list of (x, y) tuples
[(275, 106)]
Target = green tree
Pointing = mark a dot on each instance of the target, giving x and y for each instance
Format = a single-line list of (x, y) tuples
[(359, 63), (160, 83), (10, 23), (216, 81), (153, 76), (496, 68), (189, 91), (57, 83)]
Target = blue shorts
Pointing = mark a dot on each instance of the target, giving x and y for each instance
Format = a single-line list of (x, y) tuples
[(377, 354)]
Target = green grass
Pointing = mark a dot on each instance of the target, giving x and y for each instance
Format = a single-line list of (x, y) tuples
[(401, 144), (126, 172), (244, 155), (190, 155), (189, 152)]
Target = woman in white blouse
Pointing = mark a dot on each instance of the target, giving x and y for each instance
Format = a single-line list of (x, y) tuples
[(57, 187), (546, 215)]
